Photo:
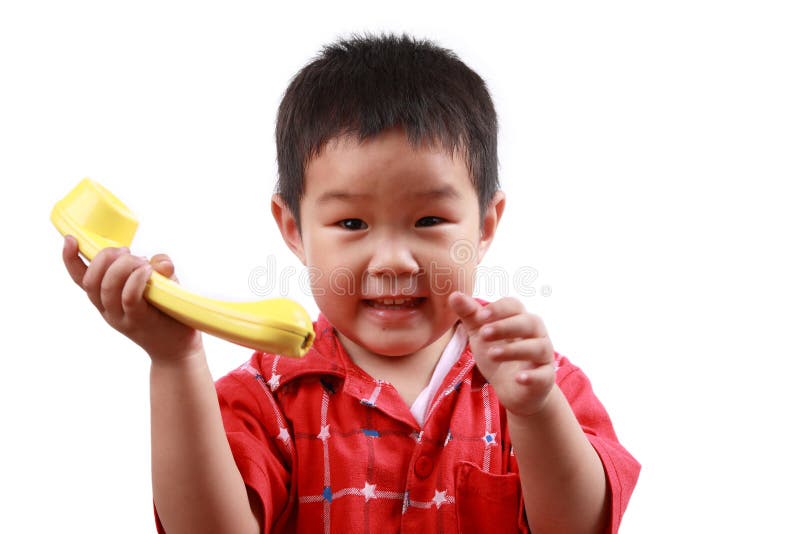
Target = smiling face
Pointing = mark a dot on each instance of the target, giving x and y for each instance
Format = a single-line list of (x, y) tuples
[(388, 232)]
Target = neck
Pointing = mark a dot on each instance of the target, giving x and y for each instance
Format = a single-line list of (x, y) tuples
[(409, 374)]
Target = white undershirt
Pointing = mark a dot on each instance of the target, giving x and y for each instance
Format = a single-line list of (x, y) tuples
[(450, 356)]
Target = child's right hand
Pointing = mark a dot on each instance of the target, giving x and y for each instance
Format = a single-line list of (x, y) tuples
[(114, 282)]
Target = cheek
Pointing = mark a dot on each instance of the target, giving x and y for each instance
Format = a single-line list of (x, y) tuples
[(331, 276), (453, 268), (327, 250), (444, 280), (328, 283), (321, 260)]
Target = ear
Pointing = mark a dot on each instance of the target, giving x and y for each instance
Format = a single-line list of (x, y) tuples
[(491, 218), (289, 227)]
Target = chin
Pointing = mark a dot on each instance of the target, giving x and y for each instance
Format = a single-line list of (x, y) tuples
[(386, 344), (392, 350)]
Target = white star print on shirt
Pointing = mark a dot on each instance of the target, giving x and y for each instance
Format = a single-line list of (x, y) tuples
[(368, 492), (274, 381), (439, 498)]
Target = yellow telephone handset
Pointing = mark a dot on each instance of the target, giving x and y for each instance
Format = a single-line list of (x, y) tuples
[(98, 219)]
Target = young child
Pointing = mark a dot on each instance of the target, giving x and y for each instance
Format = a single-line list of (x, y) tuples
[(418, 408)]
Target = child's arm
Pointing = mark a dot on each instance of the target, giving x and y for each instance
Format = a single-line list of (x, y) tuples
[(196, 485), (562, 477)]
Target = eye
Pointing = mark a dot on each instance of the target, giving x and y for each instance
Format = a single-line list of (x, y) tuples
[(429, 221), (352, 224)]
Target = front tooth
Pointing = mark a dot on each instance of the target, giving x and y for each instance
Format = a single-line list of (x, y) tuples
[(393, 302)]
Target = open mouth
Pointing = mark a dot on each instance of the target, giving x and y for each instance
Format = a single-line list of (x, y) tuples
[(395, 303)]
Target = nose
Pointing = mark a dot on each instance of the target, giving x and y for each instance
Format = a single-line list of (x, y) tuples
[(391, 256)]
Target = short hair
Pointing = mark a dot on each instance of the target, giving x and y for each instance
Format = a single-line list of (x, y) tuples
[(365, 84)]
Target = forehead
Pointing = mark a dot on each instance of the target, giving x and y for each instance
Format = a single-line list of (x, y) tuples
[(386, 164)]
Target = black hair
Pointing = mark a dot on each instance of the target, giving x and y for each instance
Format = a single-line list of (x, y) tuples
[(364, 85)]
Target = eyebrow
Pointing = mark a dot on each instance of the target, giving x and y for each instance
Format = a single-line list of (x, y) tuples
[(342, 196), (445, 192)]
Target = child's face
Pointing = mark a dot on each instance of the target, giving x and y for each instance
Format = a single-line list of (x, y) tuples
[(388, 232)]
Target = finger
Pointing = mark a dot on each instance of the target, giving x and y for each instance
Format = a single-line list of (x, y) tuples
[(163, 265), (521, 325), (73, 262), (505, 307), (537, 352), (132, 298), (114, 281), (540, 378), (93, 277), (467, 309)]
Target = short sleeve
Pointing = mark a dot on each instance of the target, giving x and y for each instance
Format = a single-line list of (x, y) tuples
[(260, 442), (622, 469)]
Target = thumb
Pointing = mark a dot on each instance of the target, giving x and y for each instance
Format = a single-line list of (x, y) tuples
[(163, 265), (467, 309)]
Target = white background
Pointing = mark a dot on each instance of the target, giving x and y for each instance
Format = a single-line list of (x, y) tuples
[(648, 151)]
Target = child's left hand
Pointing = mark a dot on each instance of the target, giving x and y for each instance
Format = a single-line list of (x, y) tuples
[(512, 350)]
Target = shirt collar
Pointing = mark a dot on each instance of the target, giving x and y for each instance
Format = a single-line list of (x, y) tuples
[(327, 356)]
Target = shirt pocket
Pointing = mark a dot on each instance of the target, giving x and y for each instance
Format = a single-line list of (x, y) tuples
[(487, 502)]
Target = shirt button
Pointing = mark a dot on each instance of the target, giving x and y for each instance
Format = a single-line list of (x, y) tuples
[(423, 466)]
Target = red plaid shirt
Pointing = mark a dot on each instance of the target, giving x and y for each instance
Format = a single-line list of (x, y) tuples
[(328, 448)]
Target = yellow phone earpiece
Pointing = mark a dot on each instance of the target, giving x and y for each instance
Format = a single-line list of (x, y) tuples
[(98, 220)]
